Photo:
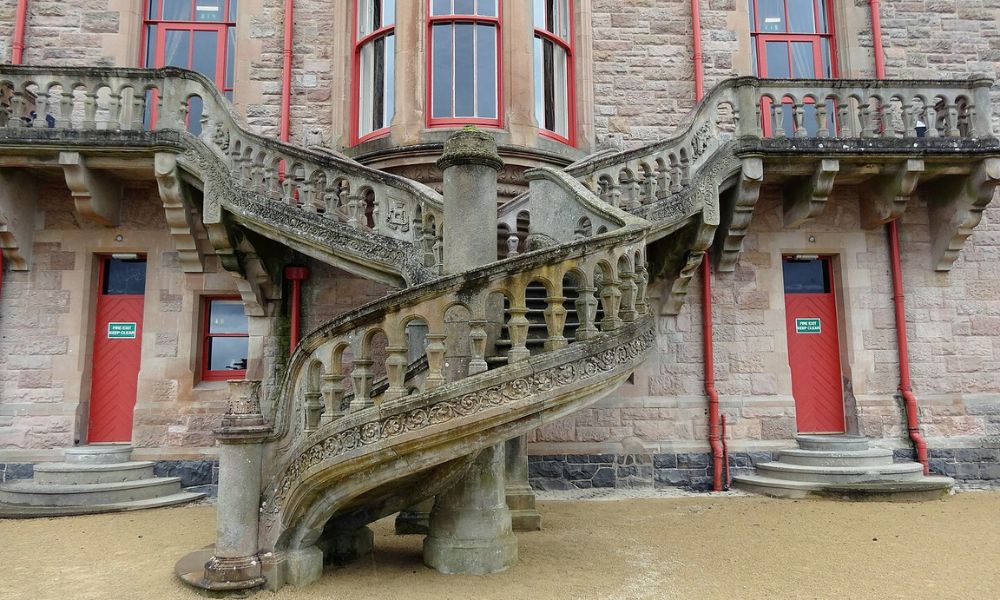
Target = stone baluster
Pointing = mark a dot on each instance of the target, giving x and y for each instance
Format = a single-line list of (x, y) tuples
[(822, 108), (517, 329), (628, 289), (361, 379), (17, 107), (114, 110), (615, 194), (641, 279), (430, 256), (586, 310), (909, 121), (662, 182), (288, 188), (89, 109), (439, 254), (777, 111), (333, 395), (353, 210), (272, 180), (675, 177), (798, 117), (313, 409), (951, 120), (932, 122), (845, 118), (65, 120), (866, 120), (41, 107), (137, 122), (512, 243), (395, 369), (435, 359), (611, 297), (555, 322), (477, 344)]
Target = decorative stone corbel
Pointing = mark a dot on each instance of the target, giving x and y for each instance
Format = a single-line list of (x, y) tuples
[(177, 208), (956, 207), (98, 196), (18, 199), (746, 195), (806, 199), (884, 198), (679, 286)]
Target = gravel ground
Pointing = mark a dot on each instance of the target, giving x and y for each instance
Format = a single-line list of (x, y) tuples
[(657, 546)]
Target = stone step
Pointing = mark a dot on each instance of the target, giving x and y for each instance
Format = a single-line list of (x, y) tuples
[(13, 511), (98, 454), (872, 457), (830, 475), (833, 443), (30, 493), (926, 488), (65, 473)]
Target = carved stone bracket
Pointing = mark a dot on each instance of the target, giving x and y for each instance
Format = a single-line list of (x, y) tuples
[(746, 195), (18, 199), (956, 207), (679, 285), (98, 196), (806, 199), (177, 208), (884, 199)]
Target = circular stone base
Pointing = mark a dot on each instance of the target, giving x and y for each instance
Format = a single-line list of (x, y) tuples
[(470, 557)]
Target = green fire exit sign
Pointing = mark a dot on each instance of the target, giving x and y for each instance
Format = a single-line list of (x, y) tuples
[(121, 331), (808, 326)]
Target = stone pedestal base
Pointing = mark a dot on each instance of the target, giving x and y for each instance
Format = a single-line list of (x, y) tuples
[(415, 519), (342, 547), (297, 567), (523, 514), (203, 570), (470, 528)]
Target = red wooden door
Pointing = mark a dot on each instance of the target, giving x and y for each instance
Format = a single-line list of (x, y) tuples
[(117, 350), (813, 346)]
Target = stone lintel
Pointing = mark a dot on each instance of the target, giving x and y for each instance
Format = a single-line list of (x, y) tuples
[(177, 208), (956, 207), (884, 198), (18, 199), (746, 194), (806, 199), (98, 196)]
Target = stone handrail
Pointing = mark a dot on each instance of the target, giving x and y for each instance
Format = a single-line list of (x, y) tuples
[(748, 107), (121, 99)]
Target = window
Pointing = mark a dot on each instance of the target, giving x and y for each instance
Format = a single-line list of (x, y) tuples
[(792, 39), (226, 339), (374, 67), (463, 62), (554, 68), (193, 34)]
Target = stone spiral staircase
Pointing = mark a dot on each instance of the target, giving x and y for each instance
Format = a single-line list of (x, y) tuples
[(326, 451)]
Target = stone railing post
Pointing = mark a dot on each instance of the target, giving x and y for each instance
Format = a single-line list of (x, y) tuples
[(235, 564), (982, 117), (747, 105)]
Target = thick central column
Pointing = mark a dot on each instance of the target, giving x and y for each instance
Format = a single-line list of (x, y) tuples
[(470, 525)]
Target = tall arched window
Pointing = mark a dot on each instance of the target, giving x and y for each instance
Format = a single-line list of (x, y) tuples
[(374, 67), (463, 61), (554, 103), (792, 39)]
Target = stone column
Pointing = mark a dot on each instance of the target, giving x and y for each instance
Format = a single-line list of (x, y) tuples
[(235, 564), (470, 529), (470, 163), (519, 495)]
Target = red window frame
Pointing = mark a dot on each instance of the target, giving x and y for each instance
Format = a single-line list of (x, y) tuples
[(760, 38), (153, 17), (383, 31), (206, 339), (568, 46), (433, 20)]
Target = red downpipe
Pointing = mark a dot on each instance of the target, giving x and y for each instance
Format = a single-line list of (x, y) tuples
[(898, 295), (714, 434), (286, 75), (17, 53), (296, 275)]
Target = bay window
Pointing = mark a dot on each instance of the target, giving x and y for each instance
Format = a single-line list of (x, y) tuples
[(553, 68), (464, 62), (374, 67)]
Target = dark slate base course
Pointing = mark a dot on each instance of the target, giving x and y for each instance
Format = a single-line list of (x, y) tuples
[(11, 471), (191, 472)]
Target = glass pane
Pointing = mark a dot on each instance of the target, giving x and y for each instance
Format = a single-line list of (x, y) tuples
[(441, 7), (753, 16), (561, 89), (365, 8), (388, 12), (465, 7), (232, 10), (772, 16), (486, 8), (548, 73), (441, 71), (227, 354), (801, 18), (777, 60), (821, 8), (230, 57), (366, 88), (390, 80), (209, 10), (176, 10), (806, 276), (803, 60), (205, 51), (226, 316), (378, 83), (465, 70), (124, 277), (175, 49), (486, 71), (152, 12), (824, 44), (538, 13), (562, 18), (151, 47), (539, 84)]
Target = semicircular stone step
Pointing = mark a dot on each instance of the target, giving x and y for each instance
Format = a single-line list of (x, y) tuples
[(832, 443), (873, 457), (18, 511), (98, 454), (893, 472), (66, 473), (30, 493)]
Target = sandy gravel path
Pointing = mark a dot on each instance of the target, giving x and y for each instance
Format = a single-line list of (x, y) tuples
[(656, 548)]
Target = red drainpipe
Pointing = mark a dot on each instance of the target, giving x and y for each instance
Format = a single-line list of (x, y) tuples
[(296, 275), (20, 19), (898, 296), (286, 75), (714, 434)]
